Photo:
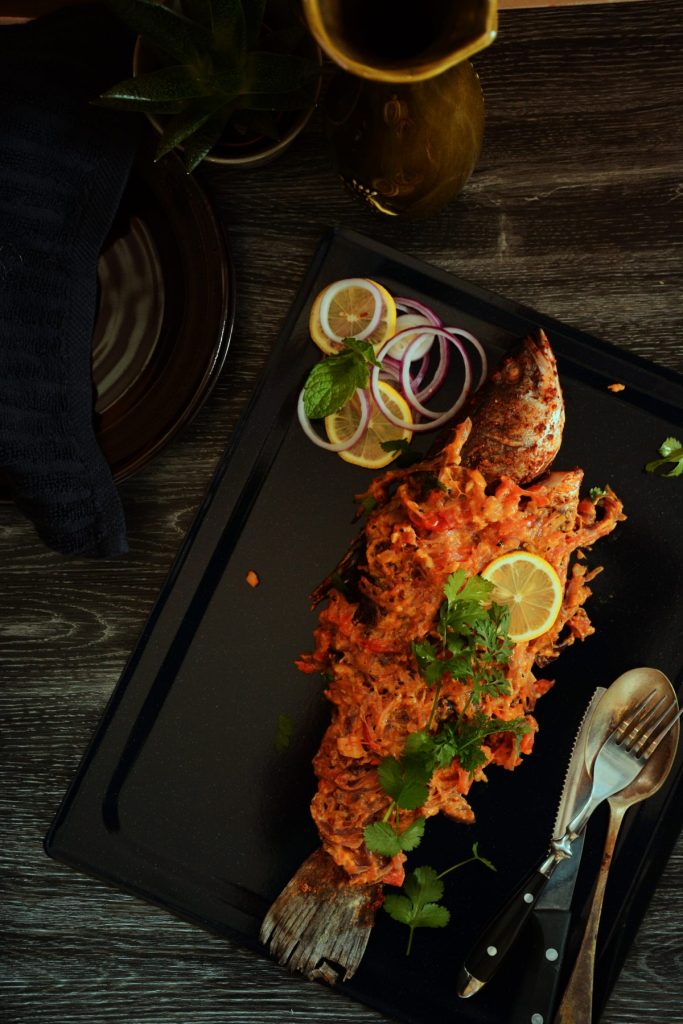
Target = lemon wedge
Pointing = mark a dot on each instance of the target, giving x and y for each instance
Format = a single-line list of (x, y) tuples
[(532, 590), (368, 451)]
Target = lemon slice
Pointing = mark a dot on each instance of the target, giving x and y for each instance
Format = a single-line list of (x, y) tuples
[(368, 451), (345, 309), (532, 590)]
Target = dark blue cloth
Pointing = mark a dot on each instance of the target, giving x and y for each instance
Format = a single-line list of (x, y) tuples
[(63, 166)]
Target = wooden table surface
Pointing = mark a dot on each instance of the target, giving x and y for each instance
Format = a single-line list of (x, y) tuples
[(574, 209)]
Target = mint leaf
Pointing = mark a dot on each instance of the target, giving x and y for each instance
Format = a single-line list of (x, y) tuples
[(364, 349), (332, 382)]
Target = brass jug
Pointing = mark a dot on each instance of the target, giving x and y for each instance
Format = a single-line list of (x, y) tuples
[(405, 114)]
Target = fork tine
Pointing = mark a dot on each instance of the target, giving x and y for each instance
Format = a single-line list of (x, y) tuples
[(649, 743), (623, 726), (637, 731)]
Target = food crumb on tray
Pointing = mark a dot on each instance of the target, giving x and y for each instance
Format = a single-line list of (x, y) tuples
[(252, 578), (616, 387)]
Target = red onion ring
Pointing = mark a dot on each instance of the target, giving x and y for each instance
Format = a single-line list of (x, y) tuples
[(419, 307), (435, 419), (330, 293), (340, 446), (415, 398), (480, 351)]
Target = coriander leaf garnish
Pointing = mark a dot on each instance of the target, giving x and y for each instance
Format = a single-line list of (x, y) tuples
[(405, 781), (597, 493), (418, 905), (671, 450), (381, 838), (333, 381), (283, 733), (407, 455), (368, 502), (470, 642)]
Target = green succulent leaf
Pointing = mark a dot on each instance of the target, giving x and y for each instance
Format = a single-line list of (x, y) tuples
[(180, 128), (197, 146), (149, 106), (174, 84), (177, 36), (200, 11), (230, 27), (253, 15)]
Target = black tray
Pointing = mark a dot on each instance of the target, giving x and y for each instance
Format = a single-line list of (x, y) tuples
[(181, 796)]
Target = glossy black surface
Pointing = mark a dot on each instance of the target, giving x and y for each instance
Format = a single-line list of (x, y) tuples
[(181, 797)]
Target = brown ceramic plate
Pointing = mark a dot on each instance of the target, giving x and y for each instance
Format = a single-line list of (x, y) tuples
[(165, 314)]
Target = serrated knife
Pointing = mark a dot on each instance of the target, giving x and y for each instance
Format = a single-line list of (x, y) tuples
[(547, 890)]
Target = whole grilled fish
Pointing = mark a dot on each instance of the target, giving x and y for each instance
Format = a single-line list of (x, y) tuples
[(458, 509)]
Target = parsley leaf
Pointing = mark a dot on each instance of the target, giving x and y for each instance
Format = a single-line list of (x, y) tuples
[(333, 381), (596, 493), (671, 450)]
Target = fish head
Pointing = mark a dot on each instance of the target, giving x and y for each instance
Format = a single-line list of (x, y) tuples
[(518, 415)]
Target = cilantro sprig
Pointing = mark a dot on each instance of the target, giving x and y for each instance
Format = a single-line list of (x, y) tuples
[(471, 642), (333, 381), (671, 451), (417, 905)]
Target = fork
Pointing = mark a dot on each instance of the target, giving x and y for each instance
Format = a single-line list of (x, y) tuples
[(622, 757)]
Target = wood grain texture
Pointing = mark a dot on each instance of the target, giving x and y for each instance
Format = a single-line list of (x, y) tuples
[(576, 210)]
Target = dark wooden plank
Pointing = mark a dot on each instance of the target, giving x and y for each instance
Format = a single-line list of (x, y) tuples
[(575, 209)]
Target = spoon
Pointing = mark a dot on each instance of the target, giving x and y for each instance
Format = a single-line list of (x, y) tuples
[(625, 693)]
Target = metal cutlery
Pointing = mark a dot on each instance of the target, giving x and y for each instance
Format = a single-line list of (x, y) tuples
[(493, 944), (607, 746), (643, 745)]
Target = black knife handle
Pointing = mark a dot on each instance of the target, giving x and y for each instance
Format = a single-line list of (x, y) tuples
[(537, 996), (494, 942)]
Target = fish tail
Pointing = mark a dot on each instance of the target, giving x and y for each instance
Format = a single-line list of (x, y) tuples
[(320, 924)]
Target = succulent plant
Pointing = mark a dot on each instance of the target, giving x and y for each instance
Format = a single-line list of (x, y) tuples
[(216, 65)]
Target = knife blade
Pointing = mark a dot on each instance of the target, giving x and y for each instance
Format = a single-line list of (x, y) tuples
[(497, 938), (551, 916)]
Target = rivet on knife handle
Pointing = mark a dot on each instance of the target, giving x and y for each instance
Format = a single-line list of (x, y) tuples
[(495, 941)]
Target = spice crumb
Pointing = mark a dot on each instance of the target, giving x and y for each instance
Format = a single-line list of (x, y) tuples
[(252, 578), (616, 387)]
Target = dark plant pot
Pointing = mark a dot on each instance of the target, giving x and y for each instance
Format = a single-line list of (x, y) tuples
[(252, 151)]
